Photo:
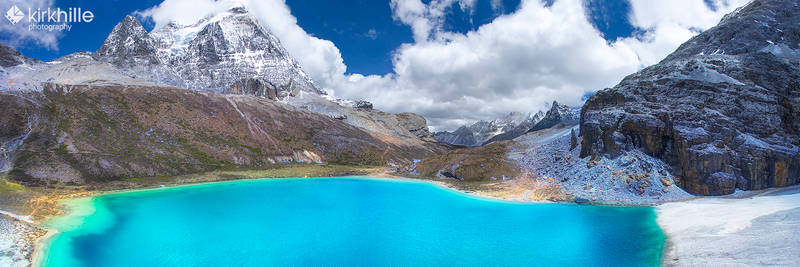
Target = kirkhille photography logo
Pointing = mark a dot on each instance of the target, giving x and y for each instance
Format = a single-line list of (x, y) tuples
[(14, 14), (50, 19)]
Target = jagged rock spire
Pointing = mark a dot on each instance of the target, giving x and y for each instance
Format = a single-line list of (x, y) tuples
[(128, 44)]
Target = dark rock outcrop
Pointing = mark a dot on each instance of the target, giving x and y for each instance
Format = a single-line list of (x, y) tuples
[(262, 88), (723, 110), (10, 57), (415, 124), (361, 104)]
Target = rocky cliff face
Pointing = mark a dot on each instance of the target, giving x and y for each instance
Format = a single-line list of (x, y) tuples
[(723, 110), (229, 52), (415, 124), (84, 134), (10, 57)]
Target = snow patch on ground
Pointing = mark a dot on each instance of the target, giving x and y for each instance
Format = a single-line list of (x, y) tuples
[(705, 74), (719, 231), (70, 70), (782, 51)]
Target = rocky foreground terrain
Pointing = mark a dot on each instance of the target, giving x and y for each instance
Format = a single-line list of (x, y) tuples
[(16, 248), (723, 110)]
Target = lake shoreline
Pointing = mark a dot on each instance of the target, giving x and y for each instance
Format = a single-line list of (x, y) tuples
[(41, 242), (44, 242)]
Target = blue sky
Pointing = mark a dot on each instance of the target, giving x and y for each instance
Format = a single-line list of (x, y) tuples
[(84, 36), (363, 30)]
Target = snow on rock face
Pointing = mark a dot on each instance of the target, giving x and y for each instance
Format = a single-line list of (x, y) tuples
[(631, 179), (229, 52), (558, 113), (723, 110)]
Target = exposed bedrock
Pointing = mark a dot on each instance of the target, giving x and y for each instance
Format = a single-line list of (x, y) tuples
[(723, 110)]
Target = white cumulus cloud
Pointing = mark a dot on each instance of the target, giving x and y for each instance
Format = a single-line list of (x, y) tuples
[(518, 62), (319, 58)]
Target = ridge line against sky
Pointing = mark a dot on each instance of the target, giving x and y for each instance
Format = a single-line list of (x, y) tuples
[(454, 70)]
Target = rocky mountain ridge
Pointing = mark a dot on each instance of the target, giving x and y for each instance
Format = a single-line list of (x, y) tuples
[(723, 110), (557, 114), (482, 132), (10, 57)]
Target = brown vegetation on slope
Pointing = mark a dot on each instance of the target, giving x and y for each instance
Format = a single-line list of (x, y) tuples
[(83, 134)]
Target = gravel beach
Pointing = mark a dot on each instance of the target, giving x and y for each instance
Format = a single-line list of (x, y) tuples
[(17, 241)]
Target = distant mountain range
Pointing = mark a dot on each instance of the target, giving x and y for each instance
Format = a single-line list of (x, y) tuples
[(509, 127), (481, 131)]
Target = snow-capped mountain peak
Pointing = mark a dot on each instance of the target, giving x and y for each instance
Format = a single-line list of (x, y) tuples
[(226, 52)]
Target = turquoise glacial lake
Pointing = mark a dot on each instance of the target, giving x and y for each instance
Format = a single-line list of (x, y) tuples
[(345, 222)]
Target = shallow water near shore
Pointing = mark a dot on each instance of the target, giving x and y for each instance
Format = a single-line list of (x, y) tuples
[(345, 222)]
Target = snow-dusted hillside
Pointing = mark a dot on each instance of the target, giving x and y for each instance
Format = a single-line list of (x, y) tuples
[(228, 52), (632, 179)]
